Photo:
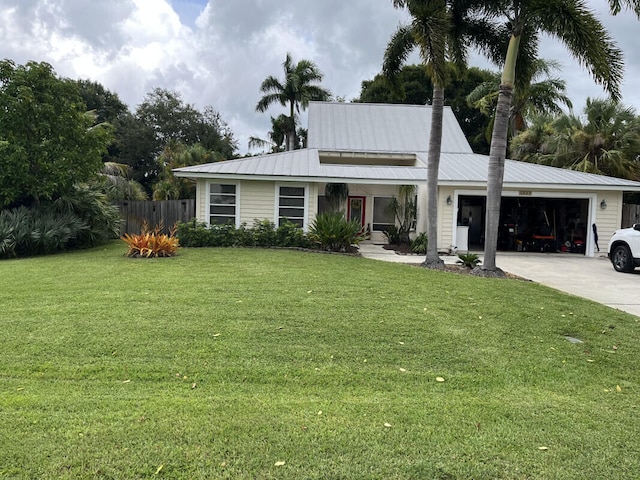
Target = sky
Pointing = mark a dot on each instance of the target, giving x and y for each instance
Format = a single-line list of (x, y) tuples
[(217, 52)]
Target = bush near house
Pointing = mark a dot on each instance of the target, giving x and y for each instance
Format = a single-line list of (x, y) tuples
[(264, 233), (333, 233)]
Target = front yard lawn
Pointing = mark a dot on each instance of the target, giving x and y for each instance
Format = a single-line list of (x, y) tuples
[(258, 364)]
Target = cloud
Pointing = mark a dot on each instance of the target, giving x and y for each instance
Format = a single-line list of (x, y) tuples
[(218, 52)]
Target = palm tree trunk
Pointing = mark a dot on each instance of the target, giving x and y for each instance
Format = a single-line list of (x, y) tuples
[(292, 129), (497, 154), (433, 164), (495, 176)]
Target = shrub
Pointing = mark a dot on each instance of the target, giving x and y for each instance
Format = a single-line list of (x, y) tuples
[(393, 235), (291, 235), (419, 244), (334, 233), (150, 244), (36, 231), (262, 234), (92, 207), (468, 260)]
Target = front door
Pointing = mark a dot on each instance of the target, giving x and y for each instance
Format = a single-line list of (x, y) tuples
[(356, 210)]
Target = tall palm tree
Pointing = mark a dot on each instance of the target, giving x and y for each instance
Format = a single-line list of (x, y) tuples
[(277, 137), (606, 142), (574, 25), (439, 29), (296, 90), (428, 32)]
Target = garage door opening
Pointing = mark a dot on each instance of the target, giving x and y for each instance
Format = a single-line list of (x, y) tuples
[(532, 224)]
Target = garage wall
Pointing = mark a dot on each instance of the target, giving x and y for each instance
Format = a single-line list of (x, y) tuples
[(607, 220)]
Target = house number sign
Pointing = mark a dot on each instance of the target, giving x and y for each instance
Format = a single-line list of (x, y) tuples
[(524, 193)]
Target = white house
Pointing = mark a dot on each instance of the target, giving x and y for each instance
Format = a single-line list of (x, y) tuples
[(375, 148)]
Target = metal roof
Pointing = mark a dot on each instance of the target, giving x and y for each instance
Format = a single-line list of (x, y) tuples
[(474, 168), (369, 127), (455, 169), (387, 132), (303, 164)]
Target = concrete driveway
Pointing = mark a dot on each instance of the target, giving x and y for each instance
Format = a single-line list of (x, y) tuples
[(589, 277)]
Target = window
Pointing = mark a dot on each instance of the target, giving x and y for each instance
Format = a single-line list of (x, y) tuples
[(222, 203), (382, 219), (291, 205)]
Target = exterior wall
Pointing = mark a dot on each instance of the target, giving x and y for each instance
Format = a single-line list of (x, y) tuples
[(201, 200), (257, 201), (608, 220)]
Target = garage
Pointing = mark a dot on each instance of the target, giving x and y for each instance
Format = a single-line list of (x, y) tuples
[(529, 224)]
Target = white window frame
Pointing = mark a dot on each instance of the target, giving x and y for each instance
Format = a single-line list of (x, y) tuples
[(236, 222), (276, 213)]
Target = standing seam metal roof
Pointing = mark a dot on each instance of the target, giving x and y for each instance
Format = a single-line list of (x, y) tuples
[(391, 129)]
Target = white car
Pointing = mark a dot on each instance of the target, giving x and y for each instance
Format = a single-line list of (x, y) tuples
[(624, 249)]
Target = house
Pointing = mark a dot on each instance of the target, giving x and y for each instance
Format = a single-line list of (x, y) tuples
[(375, 148)]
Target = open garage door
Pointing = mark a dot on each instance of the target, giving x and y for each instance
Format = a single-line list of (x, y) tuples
[(531, 224)]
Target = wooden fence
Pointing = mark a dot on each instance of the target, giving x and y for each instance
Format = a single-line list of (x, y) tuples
[(167, 212), (630, 214)]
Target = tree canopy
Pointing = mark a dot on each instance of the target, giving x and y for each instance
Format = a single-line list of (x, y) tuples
[(604, 140), (48, 140)]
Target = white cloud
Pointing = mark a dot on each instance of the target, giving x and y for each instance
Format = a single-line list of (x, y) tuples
[(218, 52)]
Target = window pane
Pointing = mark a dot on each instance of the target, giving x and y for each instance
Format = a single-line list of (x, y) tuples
[(292, 212), (295, 221), (223, 199), (222, 210), (323, 205), (291, 202), (221, 188), (292, 191), (381, 219), (380, 204), (221, 220)]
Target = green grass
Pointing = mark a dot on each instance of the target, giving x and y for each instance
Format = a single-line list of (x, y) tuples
[(303, 358)]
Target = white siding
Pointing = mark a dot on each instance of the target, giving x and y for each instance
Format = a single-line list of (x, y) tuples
[(257, 201), (607, 220)]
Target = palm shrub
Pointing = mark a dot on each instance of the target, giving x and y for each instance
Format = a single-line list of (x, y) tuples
[(404, 209), (468, 260), (91, 206), (419, 244), (332, 232), (36, 231)]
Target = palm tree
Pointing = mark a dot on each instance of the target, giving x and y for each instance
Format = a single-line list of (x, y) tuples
[(539, 94), (606, 143), (574, 25), (296, 91), (439, 28), (277, 137)]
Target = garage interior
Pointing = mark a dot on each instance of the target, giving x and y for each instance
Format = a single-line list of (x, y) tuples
[(529, 224)]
